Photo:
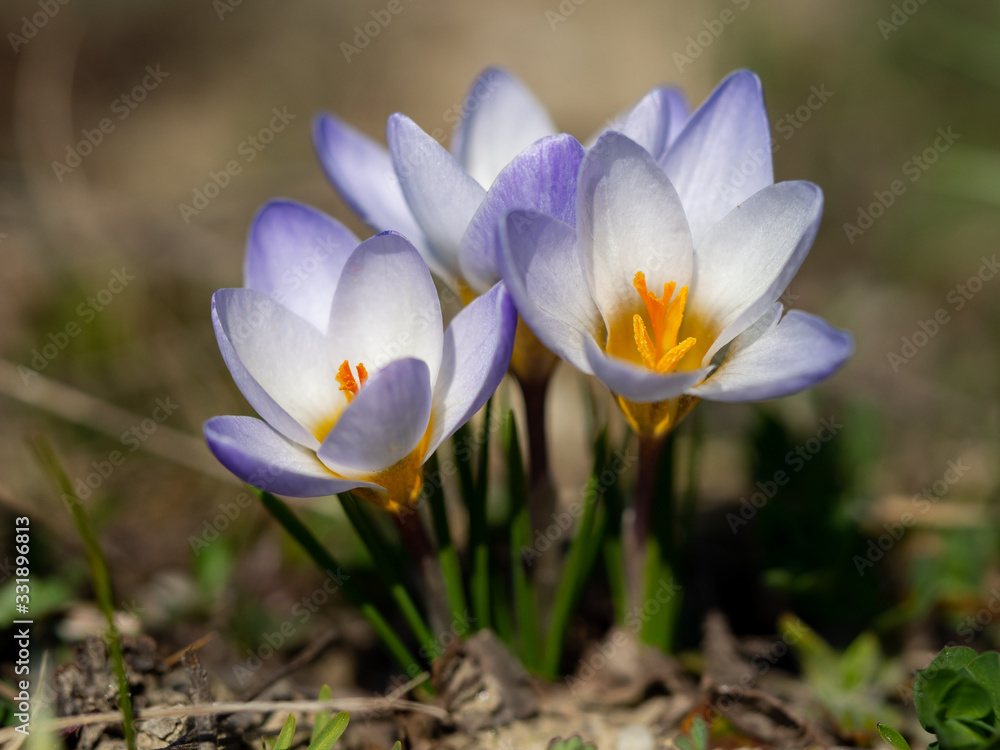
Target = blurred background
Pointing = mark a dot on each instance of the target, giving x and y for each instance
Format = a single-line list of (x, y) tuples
[(116, 115)]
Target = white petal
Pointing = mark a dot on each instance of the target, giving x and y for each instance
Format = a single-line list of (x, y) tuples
[(629, 219), (441, 195), (385, 307), (723, 154), (384, 422), (542, 271), (638, 383), (278, 361), (477, 349), (501, 117), (258, 455), (748, 259), (295, 255), (773, 359)]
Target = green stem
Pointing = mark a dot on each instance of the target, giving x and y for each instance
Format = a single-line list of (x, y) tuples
[(326, 562), (526, 608), (656, 480), (447, 554), (101, 580), (689, 501), (577, 567), (377, 549), (479, 528), (614, 554)]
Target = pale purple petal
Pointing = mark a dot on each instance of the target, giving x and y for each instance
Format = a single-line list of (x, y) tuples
[(638, 383), (260, 456), (278, 361), (647, 123), (677, 105), (542, 178), (747, 261), (774, 359), (295, 255), (500, 118), (629, 219), (441, 195), (477, 349), (384, 422), (385, 307), (723, 154), (541, 269), (361, 171)]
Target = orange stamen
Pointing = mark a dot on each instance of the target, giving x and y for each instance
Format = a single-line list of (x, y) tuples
[(348, 384), (661, 352)]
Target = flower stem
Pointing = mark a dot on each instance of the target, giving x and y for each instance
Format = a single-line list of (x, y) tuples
[(421, 550), (326, 562), (525, 605), (447, 554), (377, 550), (479, 528), (655, 528), (579, 562)]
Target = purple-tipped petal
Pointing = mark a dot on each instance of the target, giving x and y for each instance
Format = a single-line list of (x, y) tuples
[(541, 269), (629, 218), (638, 383), (384, 422), (477, 349), (723, 154), (777, 357), (677, 105), (542, 178), (362, 172), (442, 197), (295, 255), (500, 118), (747, 261), (278, 361), (647, 122), (260, 456), (385, 307)]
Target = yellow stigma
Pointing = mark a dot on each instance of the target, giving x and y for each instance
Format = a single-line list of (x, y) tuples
[(661, 352), (347, 382)]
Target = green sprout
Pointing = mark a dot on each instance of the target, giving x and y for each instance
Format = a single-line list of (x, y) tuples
[(698, 737), (325, 732), (570, 743)]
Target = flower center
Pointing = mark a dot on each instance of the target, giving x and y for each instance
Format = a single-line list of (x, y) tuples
[(348, 384), (660, 352)]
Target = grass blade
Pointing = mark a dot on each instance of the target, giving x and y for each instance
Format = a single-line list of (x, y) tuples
[(479, 529), (287, 734), (322, 717), (447, 554), (525, 605), (331, 732), (100, 576)]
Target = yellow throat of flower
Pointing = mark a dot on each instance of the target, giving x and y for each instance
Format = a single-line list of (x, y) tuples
[(657, 348)]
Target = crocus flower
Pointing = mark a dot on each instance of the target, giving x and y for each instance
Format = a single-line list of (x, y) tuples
[(340, 348), (663, 308), (432, 195)]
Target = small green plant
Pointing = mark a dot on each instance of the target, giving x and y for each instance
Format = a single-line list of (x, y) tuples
[(570, 743), (957, 699), (851, 685), (325, 732), (697, 739)]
